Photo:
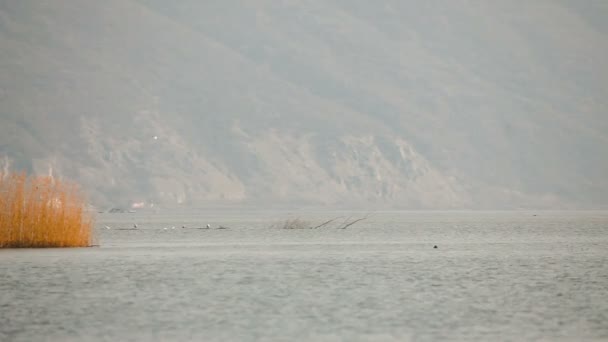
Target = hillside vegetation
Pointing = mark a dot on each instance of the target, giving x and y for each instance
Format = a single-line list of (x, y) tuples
[(339, 103)]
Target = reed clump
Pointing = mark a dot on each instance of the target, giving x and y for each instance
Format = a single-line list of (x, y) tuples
[(38, 212)]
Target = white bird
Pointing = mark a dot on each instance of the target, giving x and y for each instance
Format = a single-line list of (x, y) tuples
[(208, 226), (173, 227), (135, 226), (165, 228), (107, 227)]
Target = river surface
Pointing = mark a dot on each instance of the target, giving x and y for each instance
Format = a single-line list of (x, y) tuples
[(493, 276)]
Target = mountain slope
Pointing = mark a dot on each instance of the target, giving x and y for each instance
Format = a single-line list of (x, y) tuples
[(466, 104)]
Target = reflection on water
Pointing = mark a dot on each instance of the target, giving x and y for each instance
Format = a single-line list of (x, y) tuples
[(494, 275)]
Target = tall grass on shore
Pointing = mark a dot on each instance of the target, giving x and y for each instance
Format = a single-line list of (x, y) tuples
[(42, 212)]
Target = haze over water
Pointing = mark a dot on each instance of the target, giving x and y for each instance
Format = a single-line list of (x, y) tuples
[(494, 276)]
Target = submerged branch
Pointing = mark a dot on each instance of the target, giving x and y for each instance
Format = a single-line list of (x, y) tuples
[(297, 223), (352, 222), (326, 222), (348, 223)]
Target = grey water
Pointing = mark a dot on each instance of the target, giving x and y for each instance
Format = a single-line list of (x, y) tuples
[(493, 276)]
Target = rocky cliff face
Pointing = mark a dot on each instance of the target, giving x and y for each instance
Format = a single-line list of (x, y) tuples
[(391, 104)]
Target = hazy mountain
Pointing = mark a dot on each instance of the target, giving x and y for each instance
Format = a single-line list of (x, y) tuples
[(343, 103)]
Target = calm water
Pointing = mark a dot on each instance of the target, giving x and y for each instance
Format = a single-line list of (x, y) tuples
[(495, 276)]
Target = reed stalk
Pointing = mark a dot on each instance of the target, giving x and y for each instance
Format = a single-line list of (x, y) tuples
[(38, 212)]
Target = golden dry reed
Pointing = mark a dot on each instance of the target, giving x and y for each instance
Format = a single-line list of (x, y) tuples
[(42, 212)]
